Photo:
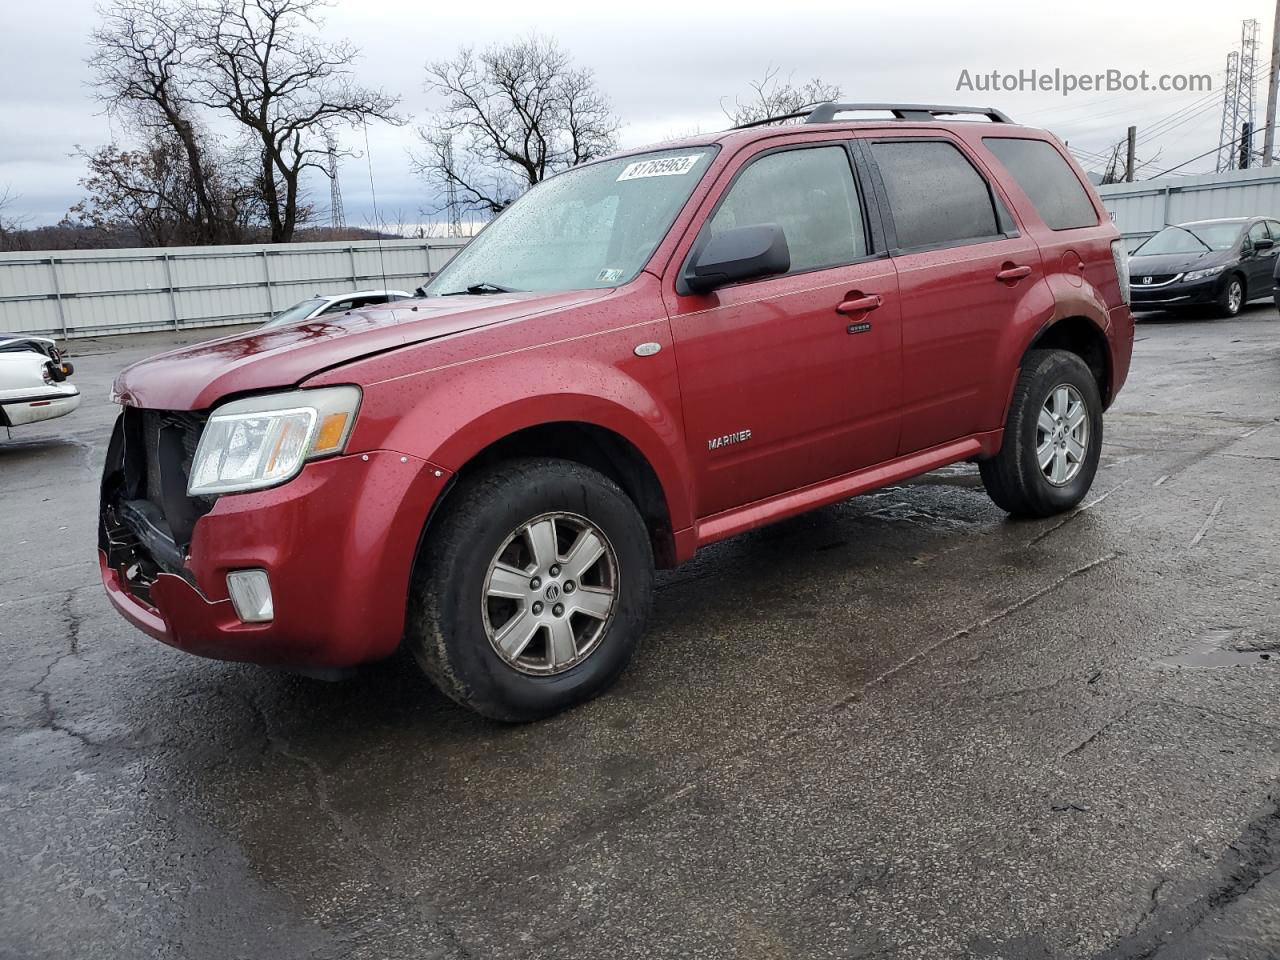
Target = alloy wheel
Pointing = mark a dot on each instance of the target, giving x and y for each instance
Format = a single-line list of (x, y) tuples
[(1062, 435), (550, 594)]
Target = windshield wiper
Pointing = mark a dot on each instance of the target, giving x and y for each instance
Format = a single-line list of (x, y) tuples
[(1178, 226), (481, 288)]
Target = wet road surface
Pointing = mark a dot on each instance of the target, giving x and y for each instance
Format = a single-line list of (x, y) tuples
[(903, 726)]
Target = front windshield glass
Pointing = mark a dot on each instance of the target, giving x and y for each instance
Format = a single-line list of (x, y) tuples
[(299, 311), (1193, 238), (590, 227)]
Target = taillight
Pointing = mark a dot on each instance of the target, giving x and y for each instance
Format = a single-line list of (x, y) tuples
[(1121, 257)]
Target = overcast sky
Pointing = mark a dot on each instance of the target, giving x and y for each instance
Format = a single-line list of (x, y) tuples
[(667, 65)]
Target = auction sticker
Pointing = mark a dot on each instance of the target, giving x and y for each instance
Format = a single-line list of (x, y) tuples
[(662, 167)]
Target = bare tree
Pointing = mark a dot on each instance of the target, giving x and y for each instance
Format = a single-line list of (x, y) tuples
[(513, 115), (173, 68), (9, 226), (152, 190), (261, 62), (144, 65), (775, 96)]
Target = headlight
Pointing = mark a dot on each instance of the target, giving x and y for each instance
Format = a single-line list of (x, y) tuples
[(1201, 274), (262, 441)]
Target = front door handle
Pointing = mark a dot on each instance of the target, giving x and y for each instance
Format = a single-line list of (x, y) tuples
[(1013, 274), (860, 304)]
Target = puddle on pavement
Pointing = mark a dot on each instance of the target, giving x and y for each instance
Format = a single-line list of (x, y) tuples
[(1226, 648)]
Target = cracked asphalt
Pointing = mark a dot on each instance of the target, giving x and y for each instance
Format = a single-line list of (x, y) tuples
[(903, 726)]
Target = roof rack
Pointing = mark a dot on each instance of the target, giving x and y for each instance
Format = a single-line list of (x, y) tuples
[(826, 112)]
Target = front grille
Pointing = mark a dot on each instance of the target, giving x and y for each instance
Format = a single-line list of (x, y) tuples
[(147, 517), (1153, 279)]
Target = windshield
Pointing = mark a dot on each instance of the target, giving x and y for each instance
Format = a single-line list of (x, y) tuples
[(590, 227), (1193, 238), (299, 311)]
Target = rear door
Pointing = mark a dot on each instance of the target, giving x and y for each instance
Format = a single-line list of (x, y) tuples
[(784, 380), (963, 269)]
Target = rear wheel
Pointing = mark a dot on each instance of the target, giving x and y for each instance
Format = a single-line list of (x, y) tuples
[(533, 589), (1052, 437)]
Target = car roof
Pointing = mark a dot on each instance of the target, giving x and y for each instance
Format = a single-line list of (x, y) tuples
[(1205, 223)]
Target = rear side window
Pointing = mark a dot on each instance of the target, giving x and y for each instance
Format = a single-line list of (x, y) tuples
[(1047, 179), (808, 192), (935, 195)]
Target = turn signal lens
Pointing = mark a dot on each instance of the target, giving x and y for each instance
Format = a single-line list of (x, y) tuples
[(329, 436)]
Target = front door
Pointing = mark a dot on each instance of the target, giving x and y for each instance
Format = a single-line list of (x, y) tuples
[(792, 379)]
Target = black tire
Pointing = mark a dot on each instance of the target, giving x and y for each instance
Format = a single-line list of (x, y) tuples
[(1014, 478), (447, 612), (1227, 304)]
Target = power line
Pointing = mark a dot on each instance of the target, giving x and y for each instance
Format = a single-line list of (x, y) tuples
[(1164, 173)]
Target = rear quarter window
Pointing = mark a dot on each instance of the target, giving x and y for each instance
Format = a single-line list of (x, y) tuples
[(1047, 179), (935, 195)]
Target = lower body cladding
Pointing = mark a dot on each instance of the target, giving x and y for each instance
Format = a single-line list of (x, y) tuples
[(324, 563)]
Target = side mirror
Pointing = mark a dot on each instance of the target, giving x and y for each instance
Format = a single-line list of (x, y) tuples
[(742, 253), (1263, 243)]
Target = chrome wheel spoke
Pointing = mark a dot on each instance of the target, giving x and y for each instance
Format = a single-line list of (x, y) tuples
[(1044, 454), (1076, 416), (516, 633), (1075, 450), (1046, 422), (542, 542), (584, 553), (1059, 471), (508, 581), (593, 602), (562, 649), (1061, 401)]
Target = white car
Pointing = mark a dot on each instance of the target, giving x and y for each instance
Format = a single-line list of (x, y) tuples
[(338, 303), (33, 381)]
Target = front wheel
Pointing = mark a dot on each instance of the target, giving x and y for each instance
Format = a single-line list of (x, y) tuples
[(533, 589), (1052, 437), (1231, 300)]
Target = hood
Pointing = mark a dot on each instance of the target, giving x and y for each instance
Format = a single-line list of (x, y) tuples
[(1168, 263), (196, 377)]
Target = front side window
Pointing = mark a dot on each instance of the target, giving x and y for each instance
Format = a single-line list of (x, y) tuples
[(1047, 180), (935, 194), (593, 226), (810, 194), (1257, 232)]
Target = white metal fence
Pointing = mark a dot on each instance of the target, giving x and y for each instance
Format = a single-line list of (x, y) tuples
[(71, 293), (1142, 208)]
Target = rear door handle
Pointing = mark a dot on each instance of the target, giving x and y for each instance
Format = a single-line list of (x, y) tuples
[(1013, 274), (860, 304)]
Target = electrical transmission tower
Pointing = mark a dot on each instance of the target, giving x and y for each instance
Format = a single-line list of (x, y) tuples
[(1238, 101), (451, 192), (337, 219)]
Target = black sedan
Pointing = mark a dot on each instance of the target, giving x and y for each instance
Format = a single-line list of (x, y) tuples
[(1218, 264)]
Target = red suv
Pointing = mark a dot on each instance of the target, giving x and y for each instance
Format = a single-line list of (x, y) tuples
[(642, 356)]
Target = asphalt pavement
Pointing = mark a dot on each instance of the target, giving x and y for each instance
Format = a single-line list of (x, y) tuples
[(904, 726)]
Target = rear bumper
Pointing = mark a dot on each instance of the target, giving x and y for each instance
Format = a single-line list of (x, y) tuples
[(47, 405), (338, 543), (1120, 343)]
